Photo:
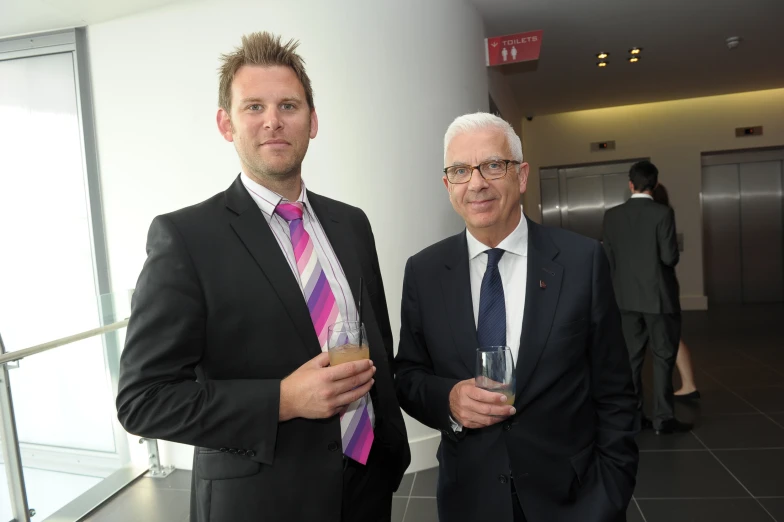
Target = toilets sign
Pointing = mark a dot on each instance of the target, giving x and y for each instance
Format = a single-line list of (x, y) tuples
[(521, 47)]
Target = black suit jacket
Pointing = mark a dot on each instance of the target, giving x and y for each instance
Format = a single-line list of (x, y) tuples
[(640, 241), (218, 319), (570, 447)]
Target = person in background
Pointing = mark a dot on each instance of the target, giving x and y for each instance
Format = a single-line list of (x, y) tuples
[(683, 362), (641, 245)]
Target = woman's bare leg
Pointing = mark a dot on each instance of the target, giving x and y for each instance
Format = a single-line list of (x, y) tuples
[(685, 369)]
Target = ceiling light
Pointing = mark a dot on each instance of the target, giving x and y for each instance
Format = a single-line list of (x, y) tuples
[(635, 50), (602, 56), (601, 64), (634, 59)]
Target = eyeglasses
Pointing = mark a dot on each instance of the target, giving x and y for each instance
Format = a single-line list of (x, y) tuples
[(489, 170)]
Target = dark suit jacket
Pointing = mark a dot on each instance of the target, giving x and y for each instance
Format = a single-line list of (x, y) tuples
[(570, 448), (640, 241), (218, 319)]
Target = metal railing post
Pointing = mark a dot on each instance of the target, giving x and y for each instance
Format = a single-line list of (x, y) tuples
[(10, 443)]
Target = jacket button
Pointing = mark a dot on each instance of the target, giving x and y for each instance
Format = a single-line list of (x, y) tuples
[(250, 453), (502, 479), (241, 452), (233, 451), (332, 446), (507, 426), (224, 450)]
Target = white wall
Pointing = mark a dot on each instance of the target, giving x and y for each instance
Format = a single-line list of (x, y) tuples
[(673, 134), (389, 76)]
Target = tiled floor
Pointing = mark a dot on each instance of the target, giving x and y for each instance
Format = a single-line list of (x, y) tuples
[(730, 468)]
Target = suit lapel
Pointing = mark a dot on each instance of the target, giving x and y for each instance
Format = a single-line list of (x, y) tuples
[(456, 287), (543, 287), (339, 235), (254, 232)]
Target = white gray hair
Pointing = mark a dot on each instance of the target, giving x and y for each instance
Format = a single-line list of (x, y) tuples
[(484, 120)]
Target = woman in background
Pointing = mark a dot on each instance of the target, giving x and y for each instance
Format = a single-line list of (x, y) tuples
[(688, 388)]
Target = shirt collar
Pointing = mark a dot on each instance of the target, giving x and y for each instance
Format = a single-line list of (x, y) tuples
[(266, 199), (642, 196), (516, 242)]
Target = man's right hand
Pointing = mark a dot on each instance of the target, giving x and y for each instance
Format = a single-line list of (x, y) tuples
[(474, 407), (317, 390)]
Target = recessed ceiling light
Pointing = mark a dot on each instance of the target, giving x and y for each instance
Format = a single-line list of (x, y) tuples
[(635, 50), (601, 64), (602, 56), (634, 59)]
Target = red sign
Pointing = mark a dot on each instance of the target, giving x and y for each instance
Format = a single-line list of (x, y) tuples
[(513, 48)]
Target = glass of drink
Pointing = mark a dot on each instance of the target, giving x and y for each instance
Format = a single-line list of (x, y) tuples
[(495, 371), (343, 342)]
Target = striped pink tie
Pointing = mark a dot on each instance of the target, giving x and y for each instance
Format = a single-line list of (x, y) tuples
[(355, 426)]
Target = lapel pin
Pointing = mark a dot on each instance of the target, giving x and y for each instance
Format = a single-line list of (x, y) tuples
[(542, 284)]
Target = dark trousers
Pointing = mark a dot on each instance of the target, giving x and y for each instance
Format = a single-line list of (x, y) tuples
[(367, 492), (662, 332)]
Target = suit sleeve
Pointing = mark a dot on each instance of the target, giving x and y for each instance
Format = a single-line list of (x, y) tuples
[(612, 389), (668, 240), (160, 393), (421, 393), (380, 300), (607, 244)]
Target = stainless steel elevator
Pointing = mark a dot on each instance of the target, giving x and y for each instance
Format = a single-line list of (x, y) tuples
[(743, 226), (577, 197)]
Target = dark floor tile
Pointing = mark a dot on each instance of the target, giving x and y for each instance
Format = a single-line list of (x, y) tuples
[(778, 418), (633, 513), (399, 509), (740, 431), (144, 503), (775, 507), (712, 510), (747, 376), (712, 402), (761, 471), (647, 440), (684, 474), (422, 510), (404, 490), (770, 399), (425, 483), (715, 359), (179, 479)]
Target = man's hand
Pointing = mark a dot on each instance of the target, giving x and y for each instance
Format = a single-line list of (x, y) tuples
[(317, 390), (474, 407)]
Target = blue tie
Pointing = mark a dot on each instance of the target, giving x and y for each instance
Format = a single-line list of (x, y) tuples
[(491, 327)]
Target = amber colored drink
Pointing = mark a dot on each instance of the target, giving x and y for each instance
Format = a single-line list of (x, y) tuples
[(348, 353)]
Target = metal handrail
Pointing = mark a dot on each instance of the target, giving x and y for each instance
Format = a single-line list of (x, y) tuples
[(33, 350)]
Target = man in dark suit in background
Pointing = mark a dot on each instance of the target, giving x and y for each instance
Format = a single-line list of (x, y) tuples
[(641, 245), (565, 450), (225, 345)]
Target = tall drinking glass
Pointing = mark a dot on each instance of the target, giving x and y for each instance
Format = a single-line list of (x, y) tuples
[(495, 371)]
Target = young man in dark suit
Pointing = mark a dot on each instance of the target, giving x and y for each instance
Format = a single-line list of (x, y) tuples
[(641, 245), (226, 343)]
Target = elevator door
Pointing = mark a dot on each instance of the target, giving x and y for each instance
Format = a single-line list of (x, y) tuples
[(743, 226), (576, 198)]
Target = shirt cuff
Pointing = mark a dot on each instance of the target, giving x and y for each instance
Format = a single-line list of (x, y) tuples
[(456, 427)]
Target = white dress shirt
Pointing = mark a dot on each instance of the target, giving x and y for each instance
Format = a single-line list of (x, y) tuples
[(513, 267), (268, 201), (640, 195)]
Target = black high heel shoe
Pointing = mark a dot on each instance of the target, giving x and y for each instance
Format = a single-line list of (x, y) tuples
[(689, 396)]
